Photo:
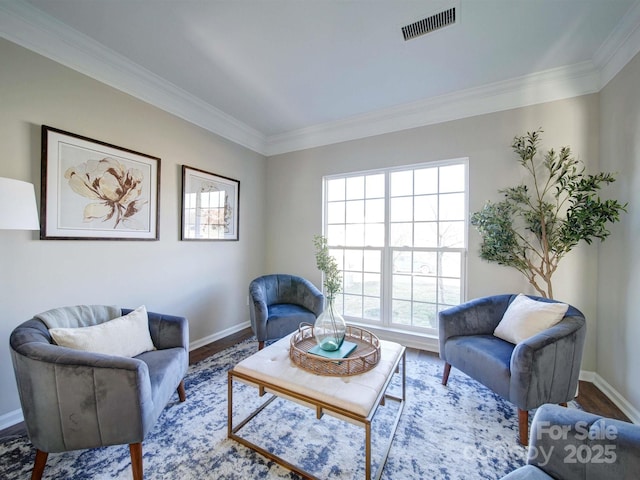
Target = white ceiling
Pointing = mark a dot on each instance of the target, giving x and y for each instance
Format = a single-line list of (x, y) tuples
[(279, 75)]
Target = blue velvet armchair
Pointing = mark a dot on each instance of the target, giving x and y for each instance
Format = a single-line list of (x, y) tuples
[(569, 444), (544, 368), (279, 303), (73, 399)]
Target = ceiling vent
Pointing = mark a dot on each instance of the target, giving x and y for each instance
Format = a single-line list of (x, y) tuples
[(429, 24)]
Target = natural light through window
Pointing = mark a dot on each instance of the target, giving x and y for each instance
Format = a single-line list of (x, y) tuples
[(399, 236)]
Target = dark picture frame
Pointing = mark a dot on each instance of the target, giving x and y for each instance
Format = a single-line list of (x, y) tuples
[(210, 206), (93, 190)]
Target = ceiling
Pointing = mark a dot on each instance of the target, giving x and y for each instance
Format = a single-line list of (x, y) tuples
[(278, 75)]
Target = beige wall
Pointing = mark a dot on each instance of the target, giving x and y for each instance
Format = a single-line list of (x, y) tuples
[(618, 333), (204, 281), (294, 182)]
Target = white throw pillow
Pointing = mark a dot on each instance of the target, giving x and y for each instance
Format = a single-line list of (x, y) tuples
[(526, 317), (125, 336)]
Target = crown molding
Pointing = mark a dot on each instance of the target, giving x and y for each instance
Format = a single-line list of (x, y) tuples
[(555, 84), (620, 47), (29, 27)]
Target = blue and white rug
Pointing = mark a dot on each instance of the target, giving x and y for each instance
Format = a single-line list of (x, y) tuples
[(462, 431)]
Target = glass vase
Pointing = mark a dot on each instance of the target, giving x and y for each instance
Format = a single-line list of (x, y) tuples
[(330, 328)]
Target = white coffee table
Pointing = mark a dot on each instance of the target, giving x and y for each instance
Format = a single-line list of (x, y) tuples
[(353, 398)]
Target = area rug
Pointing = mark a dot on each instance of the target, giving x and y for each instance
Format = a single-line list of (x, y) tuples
[(462, 431)]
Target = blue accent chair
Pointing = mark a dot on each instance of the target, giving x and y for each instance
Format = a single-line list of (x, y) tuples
[(279, 303), (542, 369), (73, 399), (570, 444)]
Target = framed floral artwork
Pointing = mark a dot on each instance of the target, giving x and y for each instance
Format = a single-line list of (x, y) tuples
[(210, 206), (92, 190)]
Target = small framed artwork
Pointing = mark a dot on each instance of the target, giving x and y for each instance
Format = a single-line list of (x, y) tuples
[(92, 190), (210, 206)]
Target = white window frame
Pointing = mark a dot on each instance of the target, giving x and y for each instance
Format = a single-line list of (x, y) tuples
[(385, 322)]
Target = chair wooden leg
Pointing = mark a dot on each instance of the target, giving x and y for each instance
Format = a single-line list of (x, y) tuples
[(445, 374), (260, 345), (136, 460), (523, 426), (39, 464), (181, 392)]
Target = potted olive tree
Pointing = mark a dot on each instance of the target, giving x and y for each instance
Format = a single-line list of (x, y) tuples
[(539, 221)]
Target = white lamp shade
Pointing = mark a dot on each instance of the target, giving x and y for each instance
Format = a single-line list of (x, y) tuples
[(18, 210)]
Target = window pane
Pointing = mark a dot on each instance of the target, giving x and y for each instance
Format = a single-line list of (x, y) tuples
[(374, 235), (355, 211), (353, 260), (372, 284), (353, 306), (426, 180), (335, 235), (375, 186), (371, 308), (452, 206), (424, 289), (402, 183), (374, 211), (401, 262), (451, 264), (352, 283), (425, 315), (426, 208), (402, 286), (372, 260), (450, 292), (402, 209), (452, 178), (452, 234), (335, 212), (355, 188), (335, 189), (426, 234), (401, 312), (425, 263), (401, 234), (354, 235)]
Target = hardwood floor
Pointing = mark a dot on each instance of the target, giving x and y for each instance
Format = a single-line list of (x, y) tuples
[(589, 396)]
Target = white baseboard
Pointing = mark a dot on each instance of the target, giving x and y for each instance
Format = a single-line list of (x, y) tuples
[(587, 376), (218, 336), (615, 396), (10, 419)]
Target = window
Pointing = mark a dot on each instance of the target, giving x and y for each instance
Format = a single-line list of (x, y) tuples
[(399, 236)]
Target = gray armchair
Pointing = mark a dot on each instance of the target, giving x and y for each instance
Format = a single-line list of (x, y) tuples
[(279, 303), (73, 399), (541, 369), (570, 444)]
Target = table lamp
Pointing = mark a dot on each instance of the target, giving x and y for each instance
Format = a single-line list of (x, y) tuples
[(18, 210)]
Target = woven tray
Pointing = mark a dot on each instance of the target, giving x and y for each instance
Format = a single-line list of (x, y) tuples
[(365, 357)]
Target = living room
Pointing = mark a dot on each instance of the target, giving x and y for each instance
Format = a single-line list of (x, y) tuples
[(281, 193)]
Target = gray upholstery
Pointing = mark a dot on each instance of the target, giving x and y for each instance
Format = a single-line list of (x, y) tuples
[(280, 302), (541, 369), (74, 399), (593, 447)]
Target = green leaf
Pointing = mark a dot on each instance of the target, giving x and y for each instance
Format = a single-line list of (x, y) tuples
[(543, 218)]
